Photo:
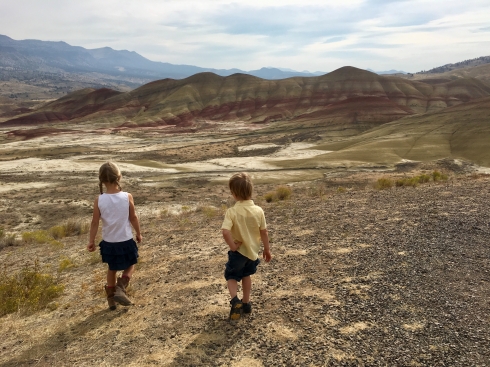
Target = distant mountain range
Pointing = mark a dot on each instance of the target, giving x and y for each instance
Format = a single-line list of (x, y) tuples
[(60, 57), (53, 57), (483, 60)]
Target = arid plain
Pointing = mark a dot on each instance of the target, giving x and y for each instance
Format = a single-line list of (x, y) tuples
[(360, 276)]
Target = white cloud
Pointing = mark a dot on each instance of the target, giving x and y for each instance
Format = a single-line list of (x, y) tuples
[(307, 34)]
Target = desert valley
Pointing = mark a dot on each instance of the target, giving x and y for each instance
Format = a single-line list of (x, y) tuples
[(380, 247)]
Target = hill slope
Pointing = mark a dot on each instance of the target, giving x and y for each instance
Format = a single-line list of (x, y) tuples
[(461, 132), (350, 94)]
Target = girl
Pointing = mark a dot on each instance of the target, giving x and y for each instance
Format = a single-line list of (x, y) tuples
[(118, 249)]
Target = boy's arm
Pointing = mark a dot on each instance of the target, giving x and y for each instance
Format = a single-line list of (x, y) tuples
[(264, 236), (229, 240), (133, 218), (94, 226)]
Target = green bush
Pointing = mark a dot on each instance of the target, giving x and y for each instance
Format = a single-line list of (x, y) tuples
[(40, 237), (208, 211), (27, 291), (438, 176), (65, 263), (384, 183), (424, 178), (72, 227), (283, 192), (270, 196)]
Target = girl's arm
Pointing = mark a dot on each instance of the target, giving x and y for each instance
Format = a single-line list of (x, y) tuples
[(94, 226), (133, 218)]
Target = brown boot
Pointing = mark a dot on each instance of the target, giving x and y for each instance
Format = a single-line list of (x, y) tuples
[(110, 297), (120, 294)]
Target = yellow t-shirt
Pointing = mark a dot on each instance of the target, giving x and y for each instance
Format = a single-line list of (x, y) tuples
[(245, 220)]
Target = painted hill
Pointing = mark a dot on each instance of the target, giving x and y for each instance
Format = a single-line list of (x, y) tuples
[(345, 95), (458, 132)]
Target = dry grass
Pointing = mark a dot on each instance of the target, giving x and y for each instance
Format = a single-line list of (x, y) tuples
[(27, 291)]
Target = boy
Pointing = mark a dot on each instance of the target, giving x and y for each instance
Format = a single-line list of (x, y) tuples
[(243, 229)]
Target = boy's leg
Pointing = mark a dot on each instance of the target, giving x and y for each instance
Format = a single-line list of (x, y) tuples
[(232, 287), (247, 288), (236, 304)]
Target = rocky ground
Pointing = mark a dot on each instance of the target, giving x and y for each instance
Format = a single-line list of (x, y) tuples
[(359, 277)]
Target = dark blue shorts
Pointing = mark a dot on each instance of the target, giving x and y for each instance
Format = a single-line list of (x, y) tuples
[(239, 266), (119, 255)]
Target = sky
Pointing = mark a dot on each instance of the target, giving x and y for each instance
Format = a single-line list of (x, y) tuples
[(313, 35)]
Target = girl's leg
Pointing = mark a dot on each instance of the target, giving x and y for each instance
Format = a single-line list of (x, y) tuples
[(121, 285), (111, 278), (247, 288), (128, 273)]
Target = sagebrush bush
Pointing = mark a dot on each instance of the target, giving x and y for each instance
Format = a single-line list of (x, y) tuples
[(270, 196), (208, 211), (65, 263), (438, 176), (40, 237), (72, 227), (283, 192), (384, 183), (27, 291)]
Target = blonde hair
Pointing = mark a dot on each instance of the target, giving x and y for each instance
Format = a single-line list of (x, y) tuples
[(241, 186), (109, 173)]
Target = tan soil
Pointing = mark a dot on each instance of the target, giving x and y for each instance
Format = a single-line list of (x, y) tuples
[(359, 277)]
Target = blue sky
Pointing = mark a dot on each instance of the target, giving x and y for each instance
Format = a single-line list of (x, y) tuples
[(409, 35)]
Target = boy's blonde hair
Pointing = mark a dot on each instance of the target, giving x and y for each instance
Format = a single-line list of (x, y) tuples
[(241, 186), (109, 173)]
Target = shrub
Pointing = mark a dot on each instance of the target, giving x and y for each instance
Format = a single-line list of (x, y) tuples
[(283, 192), (341, 189), (65, 263), (384, 183), (438, 176), (319, 191), (27, 291), (424, 178), (57, 232), (40, 237), (270, 196), (208, 211)]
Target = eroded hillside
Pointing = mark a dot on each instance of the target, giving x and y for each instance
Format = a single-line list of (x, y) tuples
[(348, 95)]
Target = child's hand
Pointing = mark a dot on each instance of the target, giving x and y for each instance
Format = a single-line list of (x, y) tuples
[(267, 256), (139, 238), (236, 246), (91, 247)]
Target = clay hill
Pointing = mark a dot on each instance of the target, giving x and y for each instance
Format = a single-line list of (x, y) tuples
[(347, 95)]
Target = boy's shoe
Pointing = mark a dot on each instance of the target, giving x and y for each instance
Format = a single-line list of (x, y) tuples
[(236, 308), (247, 307)]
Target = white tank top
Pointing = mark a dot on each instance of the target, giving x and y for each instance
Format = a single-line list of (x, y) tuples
[(114, 212)]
